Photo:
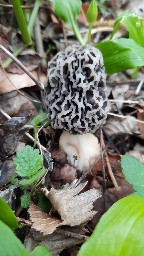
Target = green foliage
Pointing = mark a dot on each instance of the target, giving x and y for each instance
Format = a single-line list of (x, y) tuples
[(67, 10), (33, 179), (21, 21), (121, 54), (28, 162), (133, 171), (7, 216), (25, 200), (119, 232), (133, 24), (41, 251), (10, 245), (92, 12)]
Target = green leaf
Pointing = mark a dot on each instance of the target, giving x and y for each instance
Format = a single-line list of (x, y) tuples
[(7, 216), (121, 54), (25, 200), (92, 12), (41, 251), (10, 245), (33, 179), (133, 24), (67, 10), (120, 231), (28, 161), (133, 171)]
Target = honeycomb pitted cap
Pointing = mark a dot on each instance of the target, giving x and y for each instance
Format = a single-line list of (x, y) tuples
[(76, 97)]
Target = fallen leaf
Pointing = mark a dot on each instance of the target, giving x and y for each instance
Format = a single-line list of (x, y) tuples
[(10, 82), (73, 207), (121, 125), (56, 242), (42, 221)]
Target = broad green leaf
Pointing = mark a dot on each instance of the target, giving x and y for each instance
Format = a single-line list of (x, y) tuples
[(10, 245), (67, 10), (7, 216), (120, 231), (25, 200), (133, 24), (92, 12), (133, 171), (121, 54), (41, 251), (33, 179), (28, 161)]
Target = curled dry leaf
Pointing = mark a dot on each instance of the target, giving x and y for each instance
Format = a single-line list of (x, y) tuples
[(74, 208), (42, 221), (119, 125)]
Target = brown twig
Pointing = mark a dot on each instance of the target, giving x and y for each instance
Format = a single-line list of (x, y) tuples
[(108, 163)]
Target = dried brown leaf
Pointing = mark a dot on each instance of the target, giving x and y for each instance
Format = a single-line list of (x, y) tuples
[(55, 242), (42, 221), (74, 208), (10, 82), (119, 125)]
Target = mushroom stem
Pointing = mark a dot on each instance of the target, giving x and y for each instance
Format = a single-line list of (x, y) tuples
[(82, 150)]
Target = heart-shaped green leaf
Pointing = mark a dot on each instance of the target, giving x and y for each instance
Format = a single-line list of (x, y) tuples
[(120, 231), (7, 216), (121, 54)]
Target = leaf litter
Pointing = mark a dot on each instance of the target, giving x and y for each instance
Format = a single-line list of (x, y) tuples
[(73, 209)]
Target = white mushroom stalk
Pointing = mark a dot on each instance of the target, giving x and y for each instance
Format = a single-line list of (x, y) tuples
[(82, 149), (76, 101)]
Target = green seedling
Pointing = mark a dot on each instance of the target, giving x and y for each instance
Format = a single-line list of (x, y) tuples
[(28, 164)]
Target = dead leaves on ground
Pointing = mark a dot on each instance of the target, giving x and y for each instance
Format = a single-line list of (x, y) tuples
[(74, 208)]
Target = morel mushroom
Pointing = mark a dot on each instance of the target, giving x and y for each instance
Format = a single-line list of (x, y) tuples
[(76, 101)]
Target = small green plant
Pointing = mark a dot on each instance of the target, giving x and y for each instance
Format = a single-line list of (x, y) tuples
[(28, 163)]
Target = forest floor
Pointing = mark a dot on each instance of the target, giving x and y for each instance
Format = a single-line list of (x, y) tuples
[(21, 100)]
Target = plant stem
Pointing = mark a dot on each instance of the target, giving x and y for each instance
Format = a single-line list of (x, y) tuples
[(75, 27), (33, 16), (89, 33), (21, 21), (9, 60)]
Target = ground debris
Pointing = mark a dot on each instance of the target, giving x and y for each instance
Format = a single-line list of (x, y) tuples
[(74, 208)]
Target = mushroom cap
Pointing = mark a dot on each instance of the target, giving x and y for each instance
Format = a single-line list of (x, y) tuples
[(76, 97)]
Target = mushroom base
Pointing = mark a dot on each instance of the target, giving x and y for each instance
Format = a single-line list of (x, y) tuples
[(82, 150)]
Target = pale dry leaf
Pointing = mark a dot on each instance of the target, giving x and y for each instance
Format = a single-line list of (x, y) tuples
[(120, 125), (10, 82), (74, 207), (42, 221)]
